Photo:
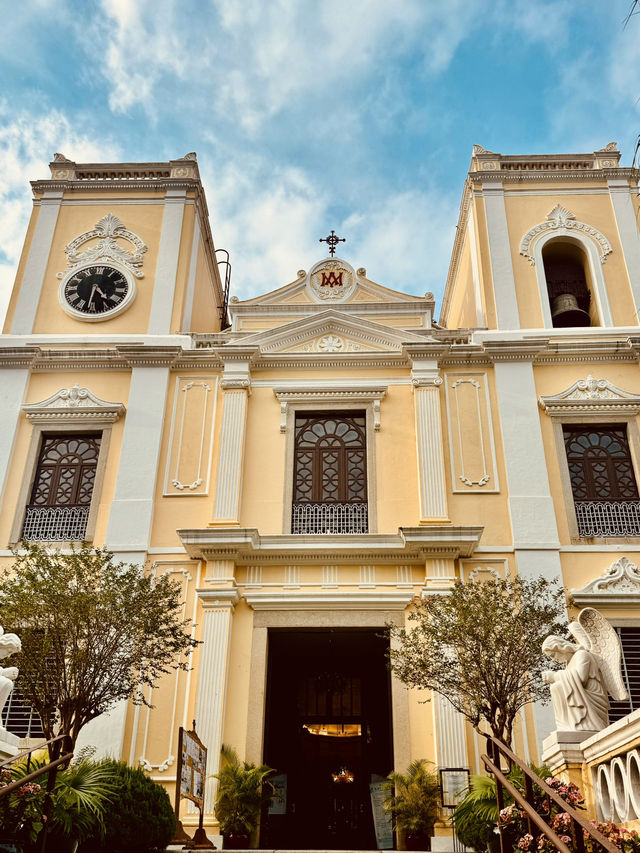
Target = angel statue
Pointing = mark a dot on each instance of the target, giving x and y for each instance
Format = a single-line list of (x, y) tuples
[(9, 645), (580, 692)]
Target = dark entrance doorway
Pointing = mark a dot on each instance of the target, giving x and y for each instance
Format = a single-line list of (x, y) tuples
[(328, 729)]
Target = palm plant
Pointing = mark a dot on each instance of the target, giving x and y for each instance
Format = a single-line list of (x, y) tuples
[(413, 799), (243, 789), (476, 816), (79, 798)]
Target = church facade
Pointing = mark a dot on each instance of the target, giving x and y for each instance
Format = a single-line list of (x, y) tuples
[(305, 463)]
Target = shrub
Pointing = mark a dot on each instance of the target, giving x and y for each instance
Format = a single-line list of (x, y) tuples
[(413, 799), (140, 817)]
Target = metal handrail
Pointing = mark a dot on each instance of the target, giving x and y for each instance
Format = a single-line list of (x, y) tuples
[(496, 748), (12, 759), (51, 778)]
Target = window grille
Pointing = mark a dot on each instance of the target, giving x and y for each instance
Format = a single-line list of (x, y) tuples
[(330, 473), (63, 486), (603, 480), (630, 639), (19, 718)]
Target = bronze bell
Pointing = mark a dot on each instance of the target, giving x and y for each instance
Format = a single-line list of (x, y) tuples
[(565, 311)]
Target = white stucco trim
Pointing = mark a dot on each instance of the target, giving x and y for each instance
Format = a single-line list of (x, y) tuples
[(167, 263), (36, 266), (231, 455), (620, 193), (326, 599), (595, 267), (191, 281), (12, 392), (131, 516), (504, 284)]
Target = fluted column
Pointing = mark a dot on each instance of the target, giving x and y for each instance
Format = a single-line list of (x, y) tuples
[(450, 734), (231, 453), (217, 618), (431, 478)]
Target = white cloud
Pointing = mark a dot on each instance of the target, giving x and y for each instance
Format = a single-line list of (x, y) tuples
[(28, 140)]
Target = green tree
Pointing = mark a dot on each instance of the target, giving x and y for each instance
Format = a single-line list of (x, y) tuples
[(94, 631), (480, 645)]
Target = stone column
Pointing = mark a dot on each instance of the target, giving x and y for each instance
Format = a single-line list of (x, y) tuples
[(12, 394), (218, 606), (167, 263), (433, 492), (504, 286), (236, 386), (37, 260)]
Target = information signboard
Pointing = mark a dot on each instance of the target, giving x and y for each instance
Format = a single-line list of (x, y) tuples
[(381, 817)]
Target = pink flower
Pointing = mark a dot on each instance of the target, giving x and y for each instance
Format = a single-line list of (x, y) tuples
[(525, 842)]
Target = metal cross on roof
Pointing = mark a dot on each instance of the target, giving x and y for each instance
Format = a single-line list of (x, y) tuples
[(332, 241)]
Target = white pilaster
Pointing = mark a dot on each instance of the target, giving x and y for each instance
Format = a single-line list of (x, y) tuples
[(431, 478), (620, 193), (129, 527), (12, 393), (451, 742), (36, 266), (231, 454), (504, 285), (533, 521), (212, 678), (167, 264), (191, 281)]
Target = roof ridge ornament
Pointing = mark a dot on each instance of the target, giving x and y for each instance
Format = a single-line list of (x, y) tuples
[(332, 241)]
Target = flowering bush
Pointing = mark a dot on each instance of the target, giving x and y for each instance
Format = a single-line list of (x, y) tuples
[(513, 821), (21, 815)]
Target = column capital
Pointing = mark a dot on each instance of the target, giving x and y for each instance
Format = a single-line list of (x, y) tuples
[(218, 598)]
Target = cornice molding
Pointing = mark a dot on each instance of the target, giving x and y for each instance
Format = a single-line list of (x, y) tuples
[(617, 586), (330, 394), (73, 405), (224, 598), (149, 356), (593, 397), (245, 545)]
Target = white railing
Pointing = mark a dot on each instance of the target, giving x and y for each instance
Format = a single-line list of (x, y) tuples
[(330, 518), (608, 518), (55, 523)]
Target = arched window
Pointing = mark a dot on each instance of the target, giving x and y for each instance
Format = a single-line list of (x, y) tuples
[(570, 291)]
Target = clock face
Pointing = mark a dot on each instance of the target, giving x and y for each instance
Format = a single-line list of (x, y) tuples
[(96, 292)]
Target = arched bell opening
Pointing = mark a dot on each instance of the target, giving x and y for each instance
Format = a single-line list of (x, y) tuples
[(569, 285)]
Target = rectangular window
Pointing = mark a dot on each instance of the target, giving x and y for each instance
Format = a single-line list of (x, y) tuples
[(330, 473), (630, 640), (60, 500), (603, 480)]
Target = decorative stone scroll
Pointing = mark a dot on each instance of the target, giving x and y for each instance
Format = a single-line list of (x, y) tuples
[(591, 396), (74, 404), (562, 218), (106, 231), (617, 585)]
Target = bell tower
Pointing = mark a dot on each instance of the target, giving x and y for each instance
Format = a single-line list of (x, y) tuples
[(546, 241), (118, 249)]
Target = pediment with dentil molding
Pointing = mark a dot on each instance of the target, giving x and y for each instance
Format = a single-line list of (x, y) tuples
[(621, 578)]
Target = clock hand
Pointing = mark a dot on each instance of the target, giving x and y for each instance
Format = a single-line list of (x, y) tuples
[(93, 290), (104, 296)]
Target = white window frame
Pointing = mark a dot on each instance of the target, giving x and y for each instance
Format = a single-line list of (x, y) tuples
[(330, 399), (68, 411)]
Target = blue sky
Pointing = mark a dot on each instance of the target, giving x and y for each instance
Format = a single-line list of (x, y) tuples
[(310, 115)]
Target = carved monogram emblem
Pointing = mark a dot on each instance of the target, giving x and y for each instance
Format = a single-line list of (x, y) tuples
[(332, 280), (105, 246)]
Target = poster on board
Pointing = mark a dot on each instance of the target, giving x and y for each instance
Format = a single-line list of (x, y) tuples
[(192, 767), (381, 818)]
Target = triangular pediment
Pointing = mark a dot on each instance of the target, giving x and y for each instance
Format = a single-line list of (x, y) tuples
[(331, 282), (330, 332)]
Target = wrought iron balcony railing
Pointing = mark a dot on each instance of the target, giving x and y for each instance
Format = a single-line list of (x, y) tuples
[(608, 518), (318, 517), (55, 523)]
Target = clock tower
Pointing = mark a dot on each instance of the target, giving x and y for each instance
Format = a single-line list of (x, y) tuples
[(118, 249)]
